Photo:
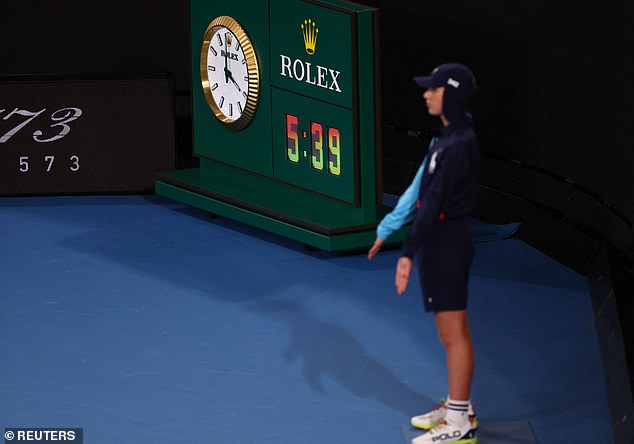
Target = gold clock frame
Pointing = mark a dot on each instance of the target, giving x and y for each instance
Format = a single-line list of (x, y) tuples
[(253, 72)]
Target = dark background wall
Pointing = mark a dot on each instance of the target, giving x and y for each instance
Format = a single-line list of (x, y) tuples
[(554, 106), (76, 37)]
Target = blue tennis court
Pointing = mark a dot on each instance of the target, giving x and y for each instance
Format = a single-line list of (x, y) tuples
[(145, 321)]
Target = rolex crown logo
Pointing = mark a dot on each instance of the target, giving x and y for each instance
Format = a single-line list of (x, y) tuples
[(310, 31)]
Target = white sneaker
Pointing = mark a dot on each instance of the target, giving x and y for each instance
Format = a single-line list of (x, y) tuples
[(446, 432), (431, 419)]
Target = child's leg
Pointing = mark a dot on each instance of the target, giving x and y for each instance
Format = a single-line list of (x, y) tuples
[(455, 336)]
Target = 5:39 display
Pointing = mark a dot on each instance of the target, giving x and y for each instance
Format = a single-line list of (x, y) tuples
[(333, 145)]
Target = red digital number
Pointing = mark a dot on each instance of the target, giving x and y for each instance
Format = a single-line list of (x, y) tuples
[(292, 139)]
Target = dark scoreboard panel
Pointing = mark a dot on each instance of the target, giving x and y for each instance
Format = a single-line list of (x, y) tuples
[(307, 163), (84, 135)]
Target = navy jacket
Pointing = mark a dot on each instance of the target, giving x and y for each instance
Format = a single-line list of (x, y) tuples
[(449, 186)]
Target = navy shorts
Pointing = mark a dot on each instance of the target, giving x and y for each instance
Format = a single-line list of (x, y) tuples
[(444, 262)]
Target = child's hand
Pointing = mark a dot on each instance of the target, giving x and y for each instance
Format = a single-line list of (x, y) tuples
[(403, 270), (378, 243)]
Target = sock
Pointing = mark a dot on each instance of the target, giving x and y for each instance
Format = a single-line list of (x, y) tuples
[(457, 412)]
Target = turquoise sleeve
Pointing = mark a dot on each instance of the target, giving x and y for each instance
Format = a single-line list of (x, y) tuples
[(405, 208)]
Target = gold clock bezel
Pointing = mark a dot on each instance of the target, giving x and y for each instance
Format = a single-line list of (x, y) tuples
[(253, 72)]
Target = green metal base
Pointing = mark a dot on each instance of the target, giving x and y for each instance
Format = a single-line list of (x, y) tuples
[(333, 229)]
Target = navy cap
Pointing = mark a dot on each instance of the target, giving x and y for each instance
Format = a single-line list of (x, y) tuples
[(460, 87), (454, 75)]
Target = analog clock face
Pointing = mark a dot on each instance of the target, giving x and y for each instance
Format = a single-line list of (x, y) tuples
[(229, 73)]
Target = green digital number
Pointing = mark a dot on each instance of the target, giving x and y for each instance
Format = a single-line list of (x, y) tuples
[(316, 146), (334, 151)]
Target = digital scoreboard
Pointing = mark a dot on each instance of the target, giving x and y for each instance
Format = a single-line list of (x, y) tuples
[(285, 119)]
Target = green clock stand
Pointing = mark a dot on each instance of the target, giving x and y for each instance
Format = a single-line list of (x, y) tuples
[(286, 119)]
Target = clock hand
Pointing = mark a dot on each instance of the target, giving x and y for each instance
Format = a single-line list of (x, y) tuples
[(226, 69), (234, 81)]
